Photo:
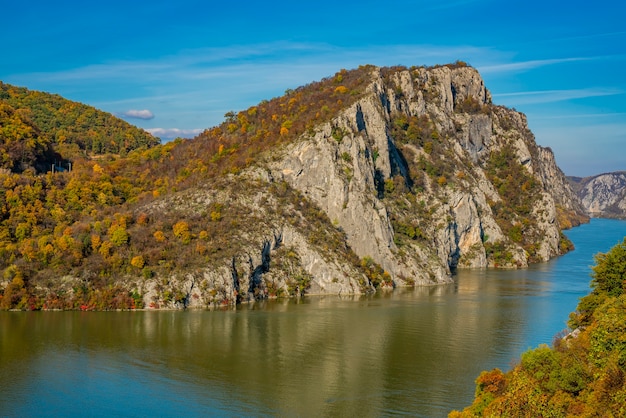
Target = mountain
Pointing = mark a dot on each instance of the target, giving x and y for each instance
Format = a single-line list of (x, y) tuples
[(603, 195), (369, 179), (40, 128)]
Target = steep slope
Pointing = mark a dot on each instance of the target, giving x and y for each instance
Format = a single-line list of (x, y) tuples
[(603, 195), (372, 178), (425, 168)]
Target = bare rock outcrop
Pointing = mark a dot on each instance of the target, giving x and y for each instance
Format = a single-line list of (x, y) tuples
[(348, 164), (603, 195), (418, 177)]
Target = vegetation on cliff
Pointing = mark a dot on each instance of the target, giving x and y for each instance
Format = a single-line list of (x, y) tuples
[(584, 373), (88, 223), (139, 224)]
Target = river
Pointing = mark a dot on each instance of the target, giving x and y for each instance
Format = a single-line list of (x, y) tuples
[(407, 352)]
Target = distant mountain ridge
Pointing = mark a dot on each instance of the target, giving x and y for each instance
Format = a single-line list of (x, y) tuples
[(602, 195)]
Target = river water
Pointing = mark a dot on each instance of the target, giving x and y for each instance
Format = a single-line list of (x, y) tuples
[(408, 352)]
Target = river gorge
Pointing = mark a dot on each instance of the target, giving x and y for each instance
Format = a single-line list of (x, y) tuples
[(408, 352)]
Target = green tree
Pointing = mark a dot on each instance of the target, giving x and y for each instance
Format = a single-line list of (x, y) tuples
[(609, 273)]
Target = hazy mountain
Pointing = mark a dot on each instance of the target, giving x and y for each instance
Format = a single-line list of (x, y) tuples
[(602, 195)]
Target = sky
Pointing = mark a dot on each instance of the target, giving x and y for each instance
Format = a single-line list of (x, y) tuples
[(175, 68)]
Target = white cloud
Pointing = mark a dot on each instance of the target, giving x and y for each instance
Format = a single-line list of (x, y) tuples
[(138, 114), (171, 133)]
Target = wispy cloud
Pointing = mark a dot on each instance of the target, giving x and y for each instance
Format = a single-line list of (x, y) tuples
[(170, 133), (196, 87), (587, 36), (138, 114), (549, 96), (527, 65), (579, 116), (237, 60)]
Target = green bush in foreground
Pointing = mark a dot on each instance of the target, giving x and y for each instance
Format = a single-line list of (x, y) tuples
[(583, 374)]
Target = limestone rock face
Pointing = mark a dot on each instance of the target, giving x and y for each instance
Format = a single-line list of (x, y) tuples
[(348, 165), (419, 176), (603, 195)]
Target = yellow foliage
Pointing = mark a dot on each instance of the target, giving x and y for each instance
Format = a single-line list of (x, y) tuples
[(64, 242), (102, 199), (95, 242), (181, 231), (105, 249), (18, 281), (284, 131), (341, 89), (97, 169), (118, 235), (27, 249), (159, 236), (121, 220), (137, 261)]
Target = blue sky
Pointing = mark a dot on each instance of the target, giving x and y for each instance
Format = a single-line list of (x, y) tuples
[(176, 67)]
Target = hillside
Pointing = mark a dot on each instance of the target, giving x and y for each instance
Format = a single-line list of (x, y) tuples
[(603, 195), (39, 128), (583, 374), (369, 179)]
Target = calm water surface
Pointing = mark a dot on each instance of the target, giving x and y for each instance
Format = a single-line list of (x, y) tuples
[(413, 353)]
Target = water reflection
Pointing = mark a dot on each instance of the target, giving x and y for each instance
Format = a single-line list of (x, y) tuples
[(414, 352), (326, 356)]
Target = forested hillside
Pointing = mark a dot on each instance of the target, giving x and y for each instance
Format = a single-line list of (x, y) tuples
[(38, 128), (583, 374), (94, 222), (370, 178)]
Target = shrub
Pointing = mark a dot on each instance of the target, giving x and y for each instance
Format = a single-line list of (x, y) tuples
[(181, 231)]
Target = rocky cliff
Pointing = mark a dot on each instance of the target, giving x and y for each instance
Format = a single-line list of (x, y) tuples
[(603, 195), (370, 179), (421, 175)]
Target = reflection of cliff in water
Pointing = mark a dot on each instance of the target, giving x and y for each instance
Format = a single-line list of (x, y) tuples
[(318, 356)]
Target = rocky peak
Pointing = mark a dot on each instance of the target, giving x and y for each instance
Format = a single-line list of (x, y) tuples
[(418, 175), (410, 177), (370, 179), (603, 195)]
